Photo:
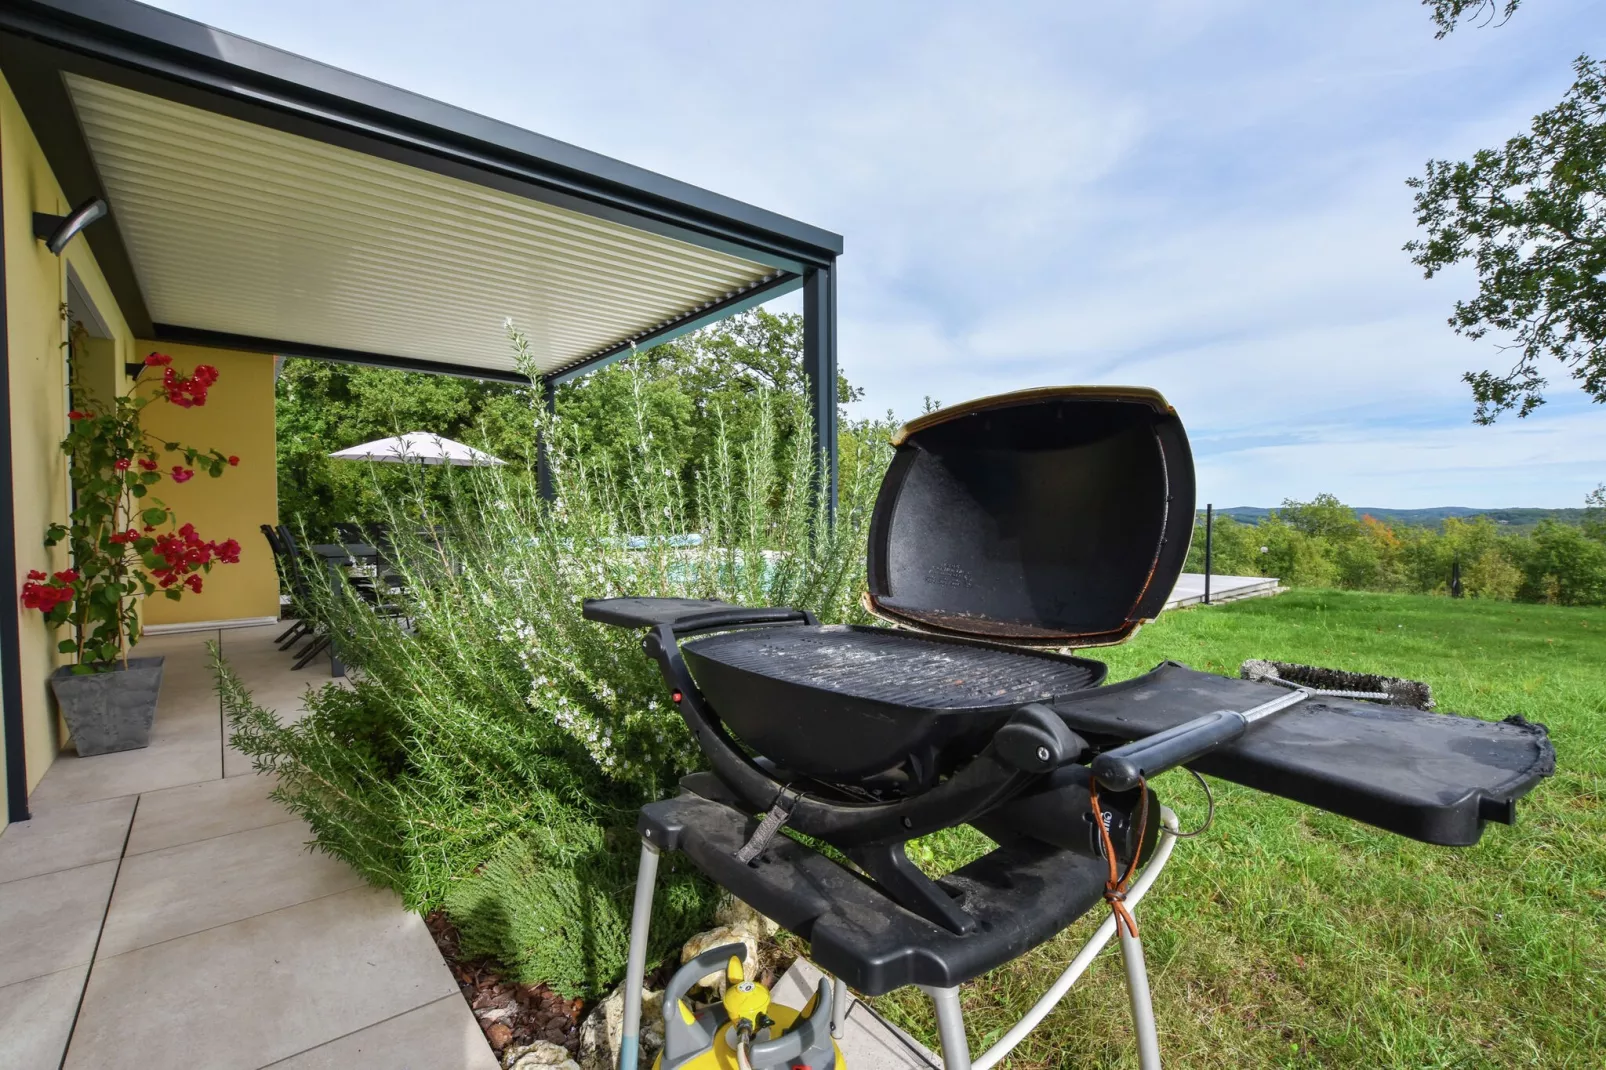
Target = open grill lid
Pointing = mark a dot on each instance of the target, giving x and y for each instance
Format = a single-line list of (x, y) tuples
[(1057, 516)]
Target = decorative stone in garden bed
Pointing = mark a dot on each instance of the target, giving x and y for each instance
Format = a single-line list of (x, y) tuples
[(542, 1053)]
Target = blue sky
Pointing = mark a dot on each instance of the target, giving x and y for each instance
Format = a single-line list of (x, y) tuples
[(1204, 198)]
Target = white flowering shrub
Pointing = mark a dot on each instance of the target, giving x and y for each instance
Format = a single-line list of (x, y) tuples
[(491, 738)]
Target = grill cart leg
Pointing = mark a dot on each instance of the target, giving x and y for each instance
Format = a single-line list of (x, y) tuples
[(1084, 958), (636, 965), (1137, 988), (950, 1027)]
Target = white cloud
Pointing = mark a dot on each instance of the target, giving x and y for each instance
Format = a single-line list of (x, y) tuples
[(1556, 460), (1205, 198)]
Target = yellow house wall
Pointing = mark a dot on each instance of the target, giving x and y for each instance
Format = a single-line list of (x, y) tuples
[(36, 288), (236, 419)]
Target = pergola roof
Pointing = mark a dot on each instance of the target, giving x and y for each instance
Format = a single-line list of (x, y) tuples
[(264, 201)]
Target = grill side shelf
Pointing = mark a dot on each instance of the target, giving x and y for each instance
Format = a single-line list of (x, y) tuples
[(647, 612), (1432, 777)]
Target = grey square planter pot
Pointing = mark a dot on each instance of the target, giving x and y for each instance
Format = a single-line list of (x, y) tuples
[(109, 711)]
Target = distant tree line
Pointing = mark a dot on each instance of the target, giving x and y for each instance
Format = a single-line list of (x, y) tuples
[(1322, 543)]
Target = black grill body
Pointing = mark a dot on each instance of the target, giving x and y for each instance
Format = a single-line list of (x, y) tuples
[(1029, 520), (872, 706)]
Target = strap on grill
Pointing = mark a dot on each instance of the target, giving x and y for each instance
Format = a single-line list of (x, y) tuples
[(779, 813)]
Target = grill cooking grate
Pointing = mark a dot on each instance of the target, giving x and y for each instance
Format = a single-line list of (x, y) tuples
[(883, 665)]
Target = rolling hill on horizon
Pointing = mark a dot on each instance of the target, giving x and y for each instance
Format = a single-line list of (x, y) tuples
[(1514, 518)]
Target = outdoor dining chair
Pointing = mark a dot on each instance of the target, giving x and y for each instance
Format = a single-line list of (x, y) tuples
[(301, 593), (298, 627)]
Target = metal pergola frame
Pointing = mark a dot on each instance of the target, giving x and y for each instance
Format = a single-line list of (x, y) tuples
[(141, 48)]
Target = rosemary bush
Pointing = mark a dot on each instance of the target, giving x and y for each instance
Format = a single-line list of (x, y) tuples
[(492, 746)]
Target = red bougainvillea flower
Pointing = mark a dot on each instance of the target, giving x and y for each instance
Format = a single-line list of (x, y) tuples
[(234, 462), (47, 596), (177, 389), (148, 465), (122, 464), (123, 538), (156, 360), (188, 391), (185, 555), (182, 474), (44, 598), (76, 415)]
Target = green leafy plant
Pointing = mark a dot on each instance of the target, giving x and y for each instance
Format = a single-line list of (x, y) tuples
[(125, 542), (1528, 217)]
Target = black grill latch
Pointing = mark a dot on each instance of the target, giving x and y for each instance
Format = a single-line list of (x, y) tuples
[(1037, 740)]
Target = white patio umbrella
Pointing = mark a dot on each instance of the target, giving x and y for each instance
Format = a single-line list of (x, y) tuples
[(417, 447)]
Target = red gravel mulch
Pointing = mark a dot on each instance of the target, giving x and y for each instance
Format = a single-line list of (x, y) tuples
[(508, 1012)]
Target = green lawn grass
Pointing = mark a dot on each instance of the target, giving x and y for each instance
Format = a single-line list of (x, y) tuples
[(1291, 938)]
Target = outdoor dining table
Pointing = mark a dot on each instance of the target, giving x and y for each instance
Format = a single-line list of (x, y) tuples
[(345, 552)]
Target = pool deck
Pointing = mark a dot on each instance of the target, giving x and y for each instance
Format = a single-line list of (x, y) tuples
[(1189, 590)]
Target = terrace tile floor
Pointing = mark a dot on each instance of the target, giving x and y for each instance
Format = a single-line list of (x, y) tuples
[(160, 911)]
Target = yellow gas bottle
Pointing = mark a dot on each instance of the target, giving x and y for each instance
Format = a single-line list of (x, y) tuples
[(744, 1030)]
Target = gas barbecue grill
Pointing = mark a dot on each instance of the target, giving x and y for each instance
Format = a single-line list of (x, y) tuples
[(1006, 530)]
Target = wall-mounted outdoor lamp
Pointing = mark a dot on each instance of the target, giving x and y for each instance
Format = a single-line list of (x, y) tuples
[(57, 230)]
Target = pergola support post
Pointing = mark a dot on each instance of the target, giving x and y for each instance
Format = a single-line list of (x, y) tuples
[(543, 462), (819, 368)]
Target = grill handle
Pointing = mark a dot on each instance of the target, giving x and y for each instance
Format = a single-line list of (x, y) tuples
[(1121, 769)]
